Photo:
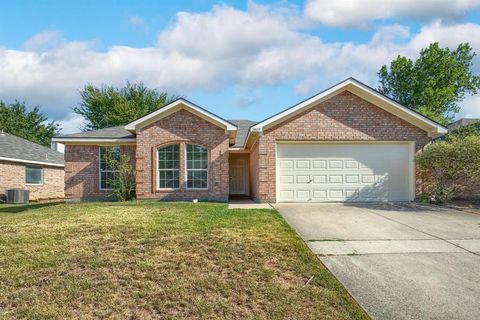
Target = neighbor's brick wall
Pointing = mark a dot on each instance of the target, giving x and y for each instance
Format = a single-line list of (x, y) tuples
[(12, 175), (182, 127), (81, 170), (344, 117)]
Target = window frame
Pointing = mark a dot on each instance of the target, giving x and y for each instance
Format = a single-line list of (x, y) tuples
[(41, 174), (100, 171), (186, 168), (158, 188)]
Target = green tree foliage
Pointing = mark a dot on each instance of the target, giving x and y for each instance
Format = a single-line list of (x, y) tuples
[(108, 106), (452, 164), (434, 83), (30, 125)]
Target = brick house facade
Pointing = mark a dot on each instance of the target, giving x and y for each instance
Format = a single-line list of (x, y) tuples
[(82, 163), (27, 165), (182, 127), (344, 117), (348, 112), (12, 175)]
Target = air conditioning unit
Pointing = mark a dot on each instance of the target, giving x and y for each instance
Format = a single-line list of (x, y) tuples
[(17, 196)]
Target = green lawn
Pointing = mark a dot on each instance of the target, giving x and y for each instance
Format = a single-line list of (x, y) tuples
[(160, 260)]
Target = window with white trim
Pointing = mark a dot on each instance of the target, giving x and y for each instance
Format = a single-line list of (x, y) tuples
[(109, 159), (197, 167), (33, 174), (169, 167)]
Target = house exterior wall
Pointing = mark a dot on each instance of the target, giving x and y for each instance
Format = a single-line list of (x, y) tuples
[(12, 175), (254, 171), (182, 127), (344, 117), (82, 171)]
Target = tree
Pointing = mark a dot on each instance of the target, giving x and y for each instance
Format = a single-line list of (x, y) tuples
[(31, 125), (433, 84), (108, 106)]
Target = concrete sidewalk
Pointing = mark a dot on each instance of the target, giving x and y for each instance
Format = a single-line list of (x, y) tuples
[(400, 261)]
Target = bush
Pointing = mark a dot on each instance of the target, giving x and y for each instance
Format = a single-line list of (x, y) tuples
[(452, 163), (123, 184)]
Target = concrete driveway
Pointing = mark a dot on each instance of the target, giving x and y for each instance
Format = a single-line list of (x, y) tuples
[(399, 261)]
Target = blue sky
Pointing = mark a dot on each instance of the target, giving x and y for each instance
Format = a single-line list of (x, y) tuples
[(239, 59)]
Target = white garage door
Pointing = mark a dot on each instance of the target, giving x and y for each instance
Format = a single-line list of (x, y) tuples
[(318, 172)]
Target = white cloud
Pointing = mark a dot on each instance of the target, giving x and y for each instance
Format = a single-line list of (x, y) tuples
[(355, 13), (214, 50), (136, 20), (71, 124), (470, 108), (43, 41)]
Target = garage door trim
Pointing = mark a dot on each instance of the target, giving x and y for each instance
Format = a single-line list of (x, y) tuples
[(411, 161)]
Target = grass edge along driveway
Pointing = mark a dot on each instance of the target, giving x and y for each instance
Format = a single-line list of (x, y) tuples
[(144, 260)]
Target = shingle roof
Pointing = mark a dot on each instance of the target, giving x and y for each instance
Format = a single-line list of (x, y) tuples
[(242, 131), (108, 133), (13, 147), (461, 123), (120, 133)]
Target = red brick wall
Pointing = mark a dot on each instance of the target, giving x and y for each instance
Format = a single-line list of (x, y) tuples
[(182, 127), (254, 170), (82, 170), (344, 117), (12, 175)]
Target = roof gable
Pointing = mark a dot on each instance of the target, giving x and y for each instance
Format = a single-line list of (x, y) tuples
[(364, 92), (180, 104)]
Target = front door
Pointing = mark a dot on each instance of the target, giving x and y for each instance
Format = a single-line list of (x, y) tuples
[(238, 176)]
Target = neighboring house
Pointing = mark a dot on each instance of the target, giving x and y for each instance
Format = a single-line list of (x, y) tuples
[(57, 147), (462, 123), (27, 165), (347, 143)]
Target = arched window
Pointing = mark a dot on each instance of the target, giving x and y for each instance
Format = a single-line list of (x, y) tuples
[(197, 167), (169, 167)]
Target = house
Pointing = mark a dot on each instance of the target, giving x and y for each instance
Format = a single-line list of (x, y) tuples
[(462, 123), (347, 143), (27, 165)]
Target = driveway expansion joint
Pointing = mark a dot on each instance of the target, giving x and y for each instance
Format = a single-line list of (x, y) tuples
[(421, 231)]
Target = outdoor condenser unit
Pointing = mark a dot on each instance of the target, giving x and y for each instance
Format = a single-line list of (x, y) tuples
[(17, 196)]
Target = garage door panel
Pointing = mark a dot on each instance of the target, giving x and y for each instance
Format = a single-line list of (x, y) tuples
[(287, 195), (302, 164), (303, 179), (352, 179), (286, 164), (335, 164), (319, 195), (302, 195), (335, 179), (351, 164), (319, 164), (343, 172), (319, 179), (287, 179)]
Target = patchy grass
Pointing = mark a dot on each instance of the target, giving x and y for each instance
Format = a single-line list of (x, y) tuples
[(160, 260)]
